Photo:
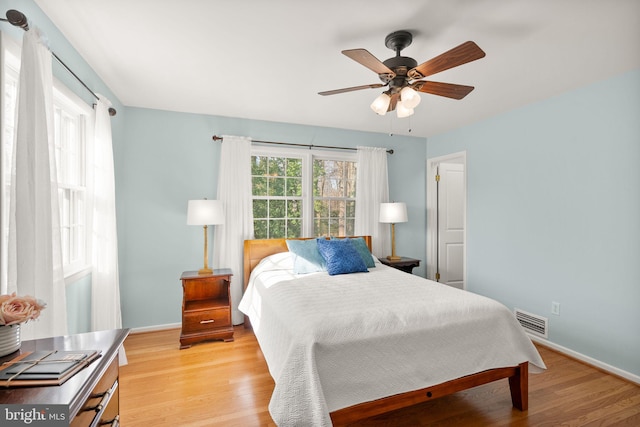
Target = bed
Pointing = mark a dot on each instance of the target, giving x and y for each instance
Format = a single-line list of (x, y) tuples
[(345, 347)]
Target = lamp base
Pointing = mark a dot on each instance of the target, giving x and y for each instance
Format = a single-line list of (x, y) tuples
[(394, 258), (205, 271)]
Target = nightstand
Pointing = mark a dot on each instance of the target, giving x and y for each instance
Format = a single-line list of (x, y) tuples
[(206, 307), (405, 264)]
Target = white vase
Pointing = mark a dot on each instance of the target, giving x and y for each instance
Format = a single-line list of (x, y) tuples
[(9, 339)]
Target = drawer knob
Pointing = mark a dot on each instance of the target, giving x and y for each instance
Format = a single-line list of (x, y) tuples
[(207, 321), (99, 406), (113, 423)]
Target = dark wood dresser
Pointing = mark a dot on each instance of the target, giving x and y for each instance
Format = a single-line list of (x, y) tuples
[(92, 394)]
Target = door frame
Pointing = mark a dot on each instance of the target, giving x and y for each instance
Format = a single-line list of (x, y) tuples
[(431, 197)]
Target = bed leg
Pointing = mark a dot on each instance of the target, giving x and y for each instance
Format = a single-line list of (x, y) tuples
[(519, 385)]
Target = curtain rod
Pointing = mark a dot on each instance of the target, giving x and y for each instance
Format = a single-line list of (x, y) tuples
[(310, 146), (18, 19)]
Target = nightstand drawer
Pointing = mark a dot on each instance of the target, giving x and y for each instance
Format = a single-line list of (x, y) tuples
[(207, 319)]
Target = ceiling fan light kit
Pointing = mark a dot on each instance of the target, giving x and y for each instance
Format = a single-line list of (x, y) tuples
[(403, 111), (380, 105), (409, 97), (404, 77)]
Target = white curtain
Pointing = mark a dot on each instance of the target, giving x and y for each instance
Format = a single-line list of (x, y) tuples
[(105, 293), (372, 188), (35, 251), (105, 285), (234, 190)]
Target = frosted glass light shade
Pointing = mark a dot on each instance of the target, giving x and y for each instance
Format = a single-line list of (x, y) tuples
[(402, 110), (393, 213), (380, 105), (410, 98), (205, 212)]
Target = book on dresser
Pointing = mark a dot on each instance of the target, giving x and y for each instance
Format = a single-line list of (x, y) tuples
[(45, 367)]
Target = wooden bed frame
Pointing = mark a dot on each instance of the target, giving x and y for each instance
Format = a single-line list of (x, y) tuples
[(256, 250)]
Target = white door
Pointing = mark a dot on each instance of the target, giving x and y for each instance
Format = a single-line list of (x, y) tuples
[(450, 228)]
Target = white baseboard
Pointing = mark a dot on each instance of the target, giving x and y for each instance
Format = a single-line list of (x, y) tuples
[(586, 359), (155, 328)]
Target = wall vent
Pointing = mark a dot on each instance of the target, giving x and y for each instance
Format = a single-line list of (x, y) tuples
[(532, 323)]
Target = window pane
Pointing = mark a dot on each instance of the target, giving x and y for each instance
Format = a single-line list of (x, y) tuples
[(294, 228), (260, 208), (294, 208), (294, 187), (276, 186), (321, 208), (259, 185), (351, 227), (277, 209), (258, 165), (351, 209), (321, 227), (260, 229), (277, 166), (276, 228), (294, 167)]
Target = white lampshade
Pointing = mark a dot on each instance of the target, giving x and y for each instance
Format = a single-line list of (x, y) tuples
[(402, 110), (410, 98), (205, 212), (380, 105), (393, 213)]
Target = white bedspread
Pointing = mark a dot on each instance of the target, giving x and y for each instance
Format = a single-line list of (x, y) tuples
[(334, 341)]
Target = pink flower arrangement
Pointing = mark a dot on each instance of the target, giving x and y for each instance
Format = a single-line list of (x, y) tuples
[(15, 309)]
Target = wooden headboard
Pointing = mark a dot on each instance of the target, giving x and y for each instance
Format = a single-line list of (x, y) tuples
[(255, 250)]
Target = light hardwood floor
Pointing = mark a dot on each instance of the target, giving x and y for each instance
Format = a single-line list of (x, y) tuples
[(228, 384)]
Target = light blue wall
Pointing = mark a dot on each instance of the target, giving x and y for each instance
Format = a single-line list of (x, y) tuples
[(554, 214), (167, 158)]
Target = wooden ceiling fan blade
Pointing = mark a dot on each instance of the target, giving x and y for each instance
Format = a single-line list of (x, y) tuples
[(364, 57), (350, 89), (443, 89), (459, 55)]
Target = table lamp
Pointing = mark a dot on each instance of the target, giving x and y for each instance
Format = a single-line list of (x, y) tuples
[(393, 213), (205, 212)]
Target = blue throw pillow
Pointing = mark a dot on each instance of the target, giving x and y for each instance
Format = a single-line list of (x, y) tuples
[(306, 258), (363, 250), (341, 257)]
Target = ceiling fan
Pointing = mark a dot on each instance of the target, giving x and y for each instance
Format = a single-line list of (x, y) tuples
[(404, 76)]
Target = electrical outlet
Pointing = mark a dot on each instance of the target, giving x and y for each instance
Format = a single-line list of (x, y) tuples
[(555, 308)]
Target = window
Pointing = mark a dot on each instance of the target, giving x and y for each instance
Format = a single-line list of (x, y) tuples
[(300, 193), (334, 197), (277, 196), (72, 119)]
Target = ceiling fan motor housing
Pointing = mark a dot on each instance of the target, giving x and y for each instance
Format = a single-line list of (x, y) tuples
[(400, 65), (397, 41)]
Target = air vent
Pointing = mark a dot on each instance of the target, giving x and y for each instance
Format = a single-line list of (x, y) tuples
[(532, 323)]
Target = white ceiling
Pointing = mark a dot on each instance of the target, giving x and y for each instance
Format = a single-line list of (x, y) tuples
[(267, 60)]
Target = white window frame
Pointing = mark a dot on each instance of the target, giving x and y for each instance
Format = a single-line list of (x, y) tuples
[(64, 98), (307, 156), (70, 102)]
